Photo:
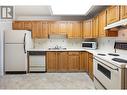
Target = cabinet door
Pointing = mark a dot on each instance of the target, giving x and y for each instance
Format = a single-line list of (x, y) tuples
[(113, 14), (62, 27), (27, 25), (87, 29), (74, 61), (51, 63), (123, 11), (84, 61), (18, 25), (45, 29), (69, 30), (90, 62), (102, 23), (95, 27), (74, 29), (77, 29), (36, 29), (54, 28), (62, 61)]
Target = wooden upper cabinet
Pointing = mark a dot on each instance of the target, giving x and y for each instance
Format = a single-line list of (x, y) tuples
[(36, 29), (69, 30), (102, 23), (113, 14), (77, 29), (45, 29), (95, 27), (54, 27), (123, 12), (87, 29), (63, 27), (18, 25), (27, 25), (74, 29), (39, 29)]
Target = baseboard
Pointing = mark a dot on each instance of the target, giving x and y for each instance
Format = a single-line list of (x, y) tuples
[(15, 72), (37, 71)]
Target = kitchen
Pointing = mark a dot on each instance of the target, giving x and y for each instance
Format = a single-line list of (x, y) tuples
[(37, 44)]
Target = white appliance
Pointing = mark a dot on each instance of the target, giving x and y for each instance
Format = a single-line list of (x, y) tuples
[(4, 25), (37, 61), (1, 52), (108, 75), (16, 44), (89, 45), (118, 24)]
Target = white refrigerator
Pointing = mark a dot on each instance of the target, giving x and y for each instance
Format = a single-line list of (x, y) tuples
[(1, 53), (16, 44)]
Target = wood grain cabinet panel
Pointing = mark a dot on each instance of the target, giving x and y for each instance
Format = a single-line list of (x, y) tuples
[(27, 25), (123, 12), (62, 61), (74, 61), (113, 14), (90, 67), (95, 27), (39, 29), (54, 28), (45, 29), (87, 28), (62, 27), (74, 29), (18, 25), (36, 29), (84, 61), (52, 61), (102, 24)]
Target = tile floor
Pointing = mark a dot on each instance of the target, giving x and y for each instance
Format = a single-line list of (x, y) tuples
[(47, 81)]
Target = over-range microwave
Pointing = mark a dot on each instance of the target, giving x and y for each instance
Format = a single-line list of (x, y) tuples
[(89, 45)]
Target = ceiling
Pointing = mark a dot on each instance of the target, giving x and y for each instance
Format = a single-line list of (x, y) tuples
[(46, 11), (33, 10)]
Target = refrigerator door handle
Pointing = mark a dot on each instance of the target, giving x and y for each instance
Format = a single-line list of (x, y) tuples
[(25, 43)]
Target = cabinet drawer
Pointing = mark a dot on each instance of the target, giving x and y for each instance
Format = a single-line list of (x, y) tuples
[(73, 53)]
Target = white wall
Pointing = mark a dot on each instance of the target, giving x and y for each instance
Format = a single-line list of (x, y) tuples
[(107, 43), (4, 25)]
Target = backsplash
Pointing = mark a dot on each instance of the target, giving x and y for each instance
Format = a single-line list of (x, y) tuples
[(107, 43), (64, 43)]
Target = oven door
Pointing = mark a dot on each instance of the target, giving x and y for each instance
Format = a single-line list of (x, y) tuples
[(108, 75)]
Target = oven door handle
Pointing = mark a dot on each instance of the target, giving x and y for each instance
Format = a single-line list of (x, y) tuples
[(107, 65)]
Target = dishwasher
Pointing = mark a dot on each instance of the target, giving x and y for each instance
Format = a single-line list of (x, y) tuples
[(36, 61)]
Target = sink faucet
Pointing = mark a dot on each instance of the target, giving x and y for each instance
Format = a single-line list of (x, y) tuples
[(56, 46)]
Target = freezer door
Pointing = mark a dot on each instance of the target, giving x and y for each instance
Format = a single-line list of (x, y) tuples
[(15, 58), (15, 36)]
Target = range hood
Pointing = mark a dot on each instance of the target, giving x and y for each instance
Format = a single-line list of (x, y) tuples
[(118, 25)]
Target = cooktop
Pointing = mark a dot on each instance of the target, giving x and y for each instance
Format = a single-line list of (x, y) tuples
[(102, 54), (119, 60), (113, 54)]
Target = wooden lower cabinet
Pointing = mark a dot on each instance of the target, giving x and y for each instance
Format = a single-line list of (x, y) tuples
[(62, 62), (84, 61), (74, 61), (51, 62), (90, 67), (71, 61)]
